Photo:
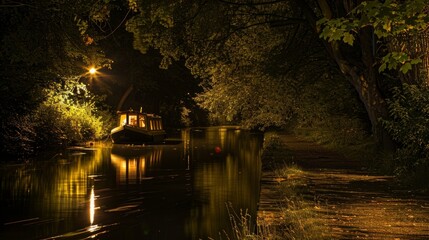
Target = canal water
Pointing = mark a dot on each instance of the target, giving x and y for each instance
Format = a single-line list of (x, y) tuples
[(185, 190)]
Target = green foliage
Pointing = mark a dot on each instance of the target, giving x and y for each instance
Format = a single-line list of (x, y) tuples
[(393, 60), (409, 127), (132, 4), (39, 43), (68, 115), (331, 112), (249, 57), (259, 102), (387, 19), (240, 57), (42, 42), (151, 27), (339, 29)]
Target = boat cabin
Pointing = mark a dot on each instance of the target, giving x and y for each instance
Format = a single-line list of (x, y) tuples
[(146, 121), (137, 128)]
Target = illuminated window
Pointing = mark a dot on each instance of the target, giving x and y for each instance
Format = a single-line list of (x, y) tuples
[(142, 122), (123, 119), (132, 120)]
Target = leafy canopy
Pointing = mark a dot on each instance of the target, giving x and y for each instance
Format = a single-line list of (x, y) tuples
[(248, 56), (388, 19)]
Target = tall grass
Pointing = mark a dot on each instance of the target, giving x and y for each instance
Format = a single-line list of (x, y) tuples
[(243, 226), (298, 215)]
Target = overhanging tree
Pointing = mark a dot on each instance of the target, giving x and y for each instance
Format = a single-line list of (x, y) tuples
[(358, 36), (247, 54), (354, 35)]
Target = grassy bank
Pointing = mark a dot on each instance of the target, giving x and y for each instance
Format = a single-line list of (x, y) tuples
[(356, 145), (298, 214), (294, 207)]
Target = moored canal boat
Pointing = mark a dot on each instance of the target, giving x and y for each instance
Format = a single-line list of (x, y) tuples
[(138, 128)]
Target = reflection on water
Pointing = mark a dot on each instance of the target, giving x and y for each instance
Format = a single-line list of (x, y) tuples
[(92, 206), (176, 191), (227, 170), (130, 163)]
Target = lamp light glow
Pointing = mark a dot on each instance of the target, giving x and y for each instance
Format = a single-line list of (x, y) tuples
[(92, 71)]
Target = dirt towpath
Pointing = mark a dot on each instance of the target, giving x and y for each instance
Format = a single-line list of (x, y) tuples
[(352, 202)]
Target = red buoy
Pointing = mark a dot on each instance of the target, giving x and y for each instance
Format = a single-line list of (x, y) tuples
[(218, 150)]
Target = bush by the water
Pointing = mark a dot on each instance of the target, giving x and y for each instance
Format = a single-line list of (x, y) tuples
[(68, 114)]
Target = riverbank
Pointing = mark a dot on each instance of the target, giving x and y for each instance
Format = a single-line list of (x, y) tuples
[(309, 192)]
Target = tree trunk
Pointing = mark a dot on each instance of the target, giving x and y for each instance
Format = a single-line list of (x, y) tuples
[(358, 67), (364, 80)]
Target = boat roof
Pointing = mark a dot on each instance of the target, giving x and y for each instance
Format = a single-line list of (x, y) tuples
[(137, 112)]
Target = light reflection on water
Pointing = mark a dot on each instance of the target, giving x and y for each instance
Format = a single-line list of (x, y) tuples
[(177, 191), (92, 206)]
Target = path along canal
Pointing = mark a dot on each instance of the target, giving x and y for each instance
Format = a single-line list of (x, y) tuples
[(171, 191)]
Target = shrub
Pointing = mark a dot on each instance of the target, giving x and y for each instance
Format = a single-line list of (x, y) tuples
[(409, 127), (69, 115)]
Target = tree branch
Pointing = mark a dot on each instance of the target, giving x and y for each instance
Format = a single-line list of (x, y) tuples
[(13, 4), (251, 3)]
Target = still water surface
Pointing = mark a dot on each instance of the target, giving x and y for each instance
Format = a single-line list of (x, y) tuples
[(172, 191)]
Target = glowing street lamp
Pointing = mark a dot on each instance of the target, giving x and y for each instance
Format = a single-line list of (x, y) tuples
[(92, 74), (92, 71)]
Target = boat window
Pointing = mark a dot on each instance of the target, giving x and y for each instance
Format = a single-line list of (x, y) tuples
[(123, 119), (132, 120), (151, 124), (142, 122)]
